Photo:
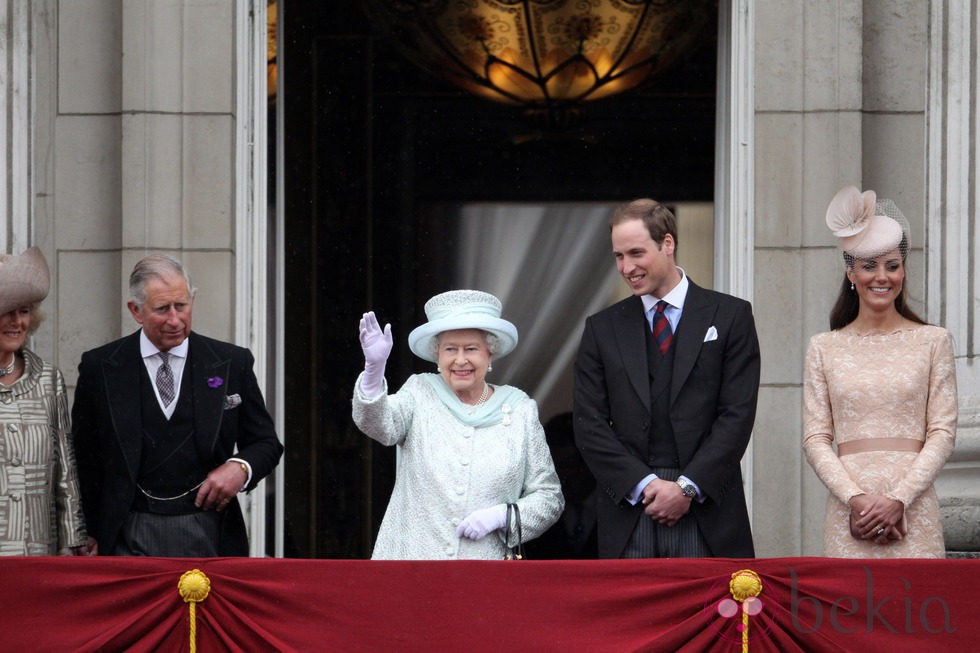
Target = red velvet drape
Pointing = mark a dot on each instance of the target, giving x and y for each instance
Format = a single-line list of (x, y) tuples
[(808, 604)]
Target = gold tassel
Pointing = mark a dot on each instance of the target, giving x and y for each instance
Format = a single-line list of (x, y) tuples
[(745, 587), (194, 587)]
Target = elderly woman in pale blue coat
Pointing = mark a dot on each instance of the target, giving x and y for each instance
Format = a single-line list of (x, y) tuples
[(467, 447)]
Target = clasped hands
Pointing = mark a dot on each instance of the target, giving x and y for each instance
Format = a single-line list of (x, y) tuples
[(665, 502), (877, 518)]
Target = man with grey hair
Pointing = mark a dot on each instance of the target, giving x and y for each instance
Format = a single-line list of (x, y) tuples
[(169, 426)]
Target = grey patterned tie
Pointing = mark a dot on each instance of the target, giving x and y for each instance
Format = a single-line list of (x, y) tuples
[(165, 379)]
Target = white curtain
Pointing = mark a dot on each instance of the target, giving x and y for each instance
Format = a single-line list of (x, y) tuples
[(551, 265)]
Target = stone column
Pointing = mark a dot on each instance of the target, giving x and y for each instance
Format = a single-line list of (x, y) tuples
[(16, 143), (808, 135), (953, 290)]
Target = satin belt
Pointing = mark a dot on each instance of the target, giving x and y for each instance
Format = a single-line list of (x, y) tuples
[(878, 444)]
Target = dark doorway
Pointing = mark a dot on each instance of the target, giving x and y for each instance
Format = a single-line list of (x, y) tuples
[(377, 157)]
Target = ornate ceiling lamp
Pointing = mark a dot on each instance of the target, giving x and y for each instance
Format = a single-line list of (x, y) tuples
[(548, 56)]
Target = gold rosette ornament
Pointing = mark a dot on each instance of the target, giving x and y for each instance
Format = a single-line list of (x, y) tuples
[(194, 586), (746, 586)]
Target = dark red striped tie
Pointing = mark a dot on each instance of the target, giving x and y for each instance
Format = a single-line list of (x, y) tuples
[(661, 327)]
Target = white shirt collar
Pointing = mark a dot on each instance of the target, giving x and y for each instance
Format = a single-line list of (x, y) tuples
[(674, 298), (148, 349)]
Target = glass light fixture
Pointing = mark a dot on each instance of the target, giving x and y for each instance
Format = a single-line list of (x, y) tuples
[(547, 56)]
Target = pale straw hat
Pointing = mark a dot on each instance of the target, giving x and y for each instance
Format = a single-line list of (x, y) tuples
[(24, 279)]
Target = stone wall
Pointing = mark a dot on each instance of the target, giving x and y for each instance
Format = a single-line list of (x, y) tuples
[(138, 155)]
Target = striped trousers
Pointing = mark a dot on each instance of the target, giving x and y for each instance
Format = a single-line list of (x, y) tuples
[(651, 539)]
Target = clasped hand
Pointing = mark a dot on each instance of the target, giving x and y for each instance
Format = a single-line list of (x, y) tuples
[(665, 502), (480, 523), (221, 486), (876, 517)]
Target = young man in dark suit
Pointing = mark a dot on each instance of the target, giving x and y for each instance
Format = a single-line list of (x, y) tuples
[(666, 383)]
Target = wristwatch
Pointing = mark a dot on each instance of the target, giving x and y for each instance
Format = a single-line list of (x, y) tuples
[(688, 488)]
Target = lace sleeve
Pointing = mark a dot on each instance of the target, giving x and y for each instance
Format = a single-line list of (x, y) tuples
[(818, 429), (940, 426)]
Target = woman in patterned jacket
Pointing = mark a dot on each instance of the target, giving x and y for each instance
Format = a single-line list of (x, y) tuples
[(40, 503)]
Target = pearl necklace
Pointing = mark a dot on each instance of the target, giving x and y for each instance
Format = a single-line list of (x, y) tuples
[(9, 369), (483, 397)]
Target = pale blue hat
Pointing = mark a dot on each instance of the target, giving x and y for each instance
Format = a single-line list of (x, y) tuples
[(462, 309)]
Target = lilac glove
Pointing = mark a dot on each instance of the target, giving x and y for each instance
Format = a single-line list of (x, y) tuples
[(376, 345), (481, 523)]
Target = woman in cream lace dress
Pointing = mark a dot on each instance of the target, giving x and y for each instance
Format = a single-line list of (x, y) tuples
[(881, 385)]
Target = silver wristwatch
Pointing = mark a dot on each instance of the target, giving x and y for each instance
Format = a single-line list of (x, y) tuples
[(688, 488)]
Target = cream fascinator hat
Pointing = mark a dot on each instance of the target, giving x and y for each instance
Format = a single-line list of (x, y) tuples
[(462, 309), (865, 226), (24, 279)]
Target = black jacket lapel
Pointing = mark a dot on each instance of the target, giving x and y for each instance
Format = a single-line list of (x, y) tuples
[(695, 320), (208, 376), (630, 331)]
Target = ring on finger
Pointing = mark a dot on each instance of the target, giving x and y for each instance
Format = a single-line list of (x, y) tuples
[(880, 531)]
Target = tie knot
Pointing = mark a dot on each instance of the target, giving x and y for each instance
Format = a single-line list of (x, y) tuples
[(164, 356), (661, 306)]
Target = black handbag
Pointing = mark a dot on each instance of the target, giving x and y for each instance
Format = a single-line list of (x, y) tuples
[(515, 552)]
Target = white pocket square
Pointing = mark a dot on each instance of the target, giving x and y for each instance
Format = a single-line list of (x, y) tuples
[(712, 334), (231, 401)]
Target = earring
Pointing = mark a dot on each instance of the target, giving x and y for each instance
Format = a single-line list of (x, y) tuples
[(438, 369), (852, 286), (489, 367)]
